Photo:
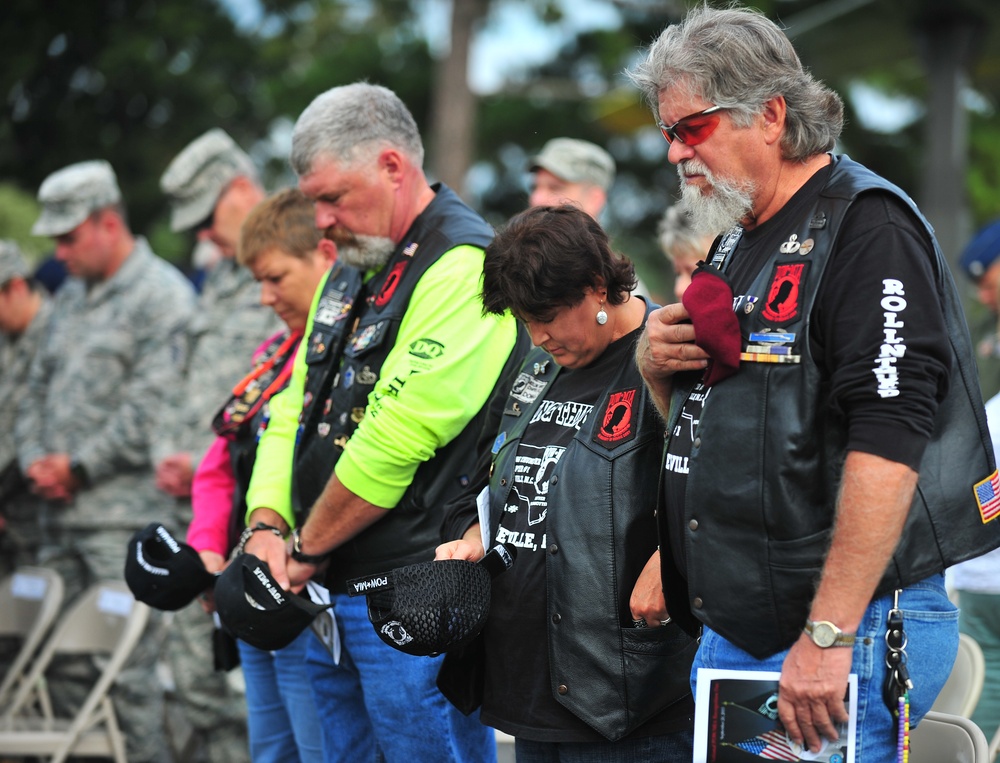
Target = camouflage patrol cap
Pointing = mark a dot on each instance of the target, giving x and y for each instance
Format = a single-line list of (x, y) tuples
[(196, 177), (12, 262), (70, 195), (576, 161)]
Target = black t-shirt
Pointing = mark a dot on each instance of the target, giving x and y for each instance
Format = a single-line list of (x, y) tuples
[(517, 696), (880, 239)]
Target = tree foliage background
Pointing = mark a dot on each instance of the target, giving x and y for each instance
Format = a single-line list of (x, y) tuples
[(133, 81)]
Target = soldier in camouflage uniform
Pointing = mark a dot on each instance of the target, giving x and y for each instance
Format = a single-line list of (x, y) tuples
[(114, 348), (212, 186), (24, 319)]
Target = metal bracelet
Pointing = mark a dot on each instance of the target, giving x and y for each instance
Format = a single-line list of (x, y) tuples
[(248, 533)]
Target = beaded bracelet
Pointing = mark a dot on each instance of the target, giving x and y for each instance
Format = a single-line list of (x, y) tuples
[(248, 533)]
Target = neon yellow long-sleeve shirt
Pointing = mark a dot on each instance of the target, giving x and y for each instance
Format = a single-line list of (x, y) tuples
[(403, 427)]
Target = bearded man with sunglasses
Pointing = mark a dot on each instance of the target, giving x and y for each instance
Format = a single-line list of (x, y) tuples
[(829, 454)]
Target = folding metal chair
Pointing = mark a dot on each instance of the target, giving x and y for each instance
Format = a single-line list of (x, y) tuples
[(965, 683), (29, 602), (106, 621), (945, 738)]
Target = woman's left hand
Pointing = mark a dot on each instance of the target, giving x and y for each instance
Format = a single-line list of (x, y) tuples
[(647, 602)]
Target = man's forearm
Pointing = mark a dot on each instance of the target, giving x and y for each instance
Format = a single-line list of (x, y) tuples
[(875, 497), (336, 517)]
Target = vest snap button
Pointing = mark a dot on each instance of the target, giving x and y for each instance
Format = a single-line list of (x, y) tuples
[(554, 480), (554, 549), (556, 618), (693, 524), (696, 602), (697, 442), (503, 480), (563, 689)]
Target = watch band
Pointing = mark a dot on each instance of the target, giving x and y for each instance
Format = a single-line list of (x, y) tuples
[(825, 634), (300, 556)]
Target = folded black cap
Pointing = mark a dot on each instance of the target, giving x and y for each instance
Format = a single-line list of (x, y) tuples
[(430, 607), (163, 572), (255, 609)]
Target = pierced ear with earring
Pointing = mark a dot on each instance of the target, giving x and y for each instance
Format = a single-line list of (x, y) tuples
[(602, 316)]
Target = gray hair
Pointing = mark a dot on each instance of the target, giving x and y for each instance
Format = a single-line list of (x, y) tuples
[(737, 58), (676, 234), (352, 123)]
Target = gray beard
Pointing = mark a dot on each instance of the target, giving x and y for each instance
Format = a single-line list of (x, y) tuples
[(366, 252), (728, 203)]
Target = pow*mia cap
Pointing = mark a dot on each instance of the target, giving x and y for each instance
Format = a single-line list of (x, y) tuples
[(70, 195), (163, 572), (429, 607), (576, 161), (12, 262), (982, 251), (255, 609), (197, 176)]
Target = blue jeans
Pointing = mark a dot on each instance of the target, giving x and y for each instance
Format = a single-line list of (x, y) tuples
[(930, 622), (668, 748), (380, 704), (281, 713)]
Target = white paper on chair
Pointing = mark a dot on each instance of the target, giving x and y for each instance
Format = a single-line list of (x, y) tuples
[(736, 718), (112, 602), (29, 587)]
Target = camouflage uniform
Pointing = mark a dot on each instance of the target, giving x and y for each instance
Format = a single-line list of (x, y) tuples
[(19, 544), (113, 350), (230, 324)]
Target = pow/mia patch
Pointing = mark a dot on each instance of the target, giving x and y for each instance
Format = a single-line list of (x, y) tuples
[(526, 388), (391, 282), (784, 294), (618, 423)]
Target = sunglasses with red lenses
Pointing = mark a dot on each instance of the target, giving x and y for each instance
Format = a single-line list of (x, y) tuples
[(694, 128)]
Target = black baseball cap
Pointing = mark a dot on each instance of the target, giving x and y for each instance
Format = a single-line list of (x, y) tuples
[(430, 607), (255, 609), (162, 571)]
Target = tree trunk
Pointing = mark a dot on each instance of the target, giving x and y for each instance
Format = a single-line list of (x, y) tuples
[(453, 112)]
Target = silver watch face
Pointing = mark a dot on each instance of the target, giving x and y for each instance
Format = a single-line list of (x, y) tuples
[(824, 634)]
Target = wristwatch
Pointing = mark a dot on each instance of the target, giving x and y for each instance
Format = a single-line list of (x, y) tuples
[(79, 472), (825, 634), (300, 556)]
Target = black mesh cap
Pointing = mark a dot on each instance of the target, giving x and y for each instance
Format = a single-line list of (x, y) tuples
[(163, 572), (255, 609), (429, 607)]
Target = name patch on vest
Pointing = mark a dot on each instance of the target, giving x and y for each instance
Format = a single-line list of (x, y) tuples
[(784, 294), (618, 423)]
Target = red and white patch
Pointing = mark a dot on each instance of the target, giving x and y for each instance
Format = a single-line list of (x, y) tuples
[(618, 423), (782, 303)]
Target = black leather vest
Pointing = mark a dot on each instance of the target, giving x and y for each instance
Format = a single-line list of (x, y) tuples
[(766, 464), (342, 371), (616, 676)]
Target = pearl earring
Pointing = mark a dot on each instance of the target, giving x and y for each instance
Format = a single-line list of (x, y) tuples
[(602, 316)]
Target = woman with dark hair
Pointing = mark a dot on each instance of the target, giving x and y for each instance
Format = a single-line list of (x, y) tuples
[(579, 659)]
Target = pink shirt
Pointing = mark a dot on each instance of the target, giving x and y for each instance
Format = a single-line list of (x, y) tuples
[(213, 487)]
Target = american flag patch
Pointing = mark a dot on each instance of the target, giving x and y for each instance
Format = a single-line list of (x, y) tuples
[(988, 497)]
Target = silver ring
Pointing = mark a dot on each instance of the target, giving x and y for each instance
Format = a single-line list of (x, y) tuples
[(665, 622), (640, 623)]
